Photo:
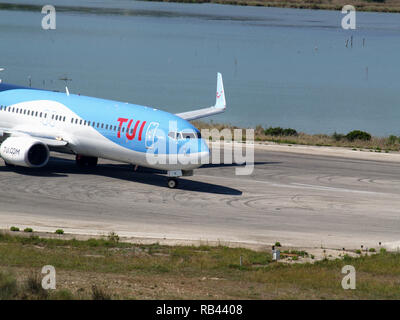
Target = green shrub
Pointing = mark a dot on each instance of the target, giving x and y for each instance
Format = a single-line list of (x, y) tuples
[(358, 135), (14, 229), (392, 139), (60, 231), (278, 131), (28, 230), (290, 132), (372, 250), (278, 244), (113, 237), (358, 251)]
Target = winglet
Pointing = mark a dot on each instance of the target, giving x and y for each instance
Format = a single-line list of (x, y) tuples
[(220, 101)]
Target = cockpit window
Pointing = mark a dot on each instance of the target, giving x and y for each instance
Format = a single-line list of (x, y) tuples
[(188, 135), (184, 135)]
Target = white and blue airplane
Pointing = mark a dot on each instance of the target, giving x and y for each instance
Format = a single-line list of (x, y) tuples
[(34, 122)]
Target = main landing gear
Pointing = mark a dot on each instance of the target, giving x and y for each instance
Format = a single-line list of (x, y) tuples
[(84, 161)]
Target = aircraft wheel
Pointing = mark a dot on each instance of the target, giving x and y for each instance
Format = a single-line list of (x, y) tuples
[(172, 183)]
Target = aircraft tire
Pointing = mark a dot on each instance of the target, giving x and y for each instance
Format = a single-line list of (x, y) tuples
[(172, 183)]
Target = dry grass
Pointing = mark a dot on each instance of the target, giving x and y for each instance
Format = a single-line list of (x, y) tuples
[(376, 144), (98, 269)]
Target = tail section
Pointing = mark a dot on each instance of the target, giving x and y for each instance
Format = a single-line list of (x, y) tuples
[(220, 102)]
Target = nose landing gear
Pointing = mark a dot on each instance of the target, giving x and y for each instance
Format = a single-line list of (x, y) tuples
[(172, 183), (172, 178)]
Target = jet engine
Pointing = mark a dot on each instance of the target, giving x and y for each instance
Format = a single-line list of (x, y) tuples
[(25, 152)]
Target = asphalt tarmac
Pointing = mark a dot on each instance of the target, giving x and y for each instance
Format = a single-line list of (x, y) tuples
[(299, 200)]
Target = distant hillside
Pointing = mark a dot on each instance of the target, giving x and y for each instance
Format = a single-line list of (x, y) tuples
[(361, 5)]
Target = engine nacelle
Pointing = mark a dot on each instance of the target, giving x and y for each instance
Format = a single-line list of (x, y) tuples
[(25, 152)]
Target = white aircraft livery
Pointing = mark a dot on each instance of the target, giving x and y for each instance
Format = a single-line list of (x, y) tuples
[(34, 122)]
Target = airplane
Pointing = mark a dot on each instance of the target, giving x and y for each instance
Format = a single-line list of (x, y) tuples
[(35, 122)]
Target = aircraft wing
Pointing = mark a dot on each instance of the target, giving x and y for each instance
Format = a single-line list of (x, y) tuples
[(51, 141), (219, 107)]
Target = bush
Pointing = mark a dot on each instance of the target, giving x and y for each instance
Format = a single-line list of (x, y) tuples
[(278, 244), (34, 286), (60, 231), (290, 132), (278, 131), (99, 294), (14, 229), (392, 139), (338, 136), (358, 135), (113, 237), (28, 230), (372, 250)]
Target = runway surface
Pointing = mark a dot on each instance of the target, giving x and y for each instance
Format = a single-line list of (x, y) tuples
[(300, 200)]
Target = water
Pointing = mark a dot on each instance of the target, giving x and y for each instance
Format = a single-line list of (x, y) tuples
[(281, 67)]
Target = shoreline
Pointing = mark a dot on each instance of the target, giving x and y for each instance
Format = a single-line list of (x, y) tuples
[(362, 6)]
